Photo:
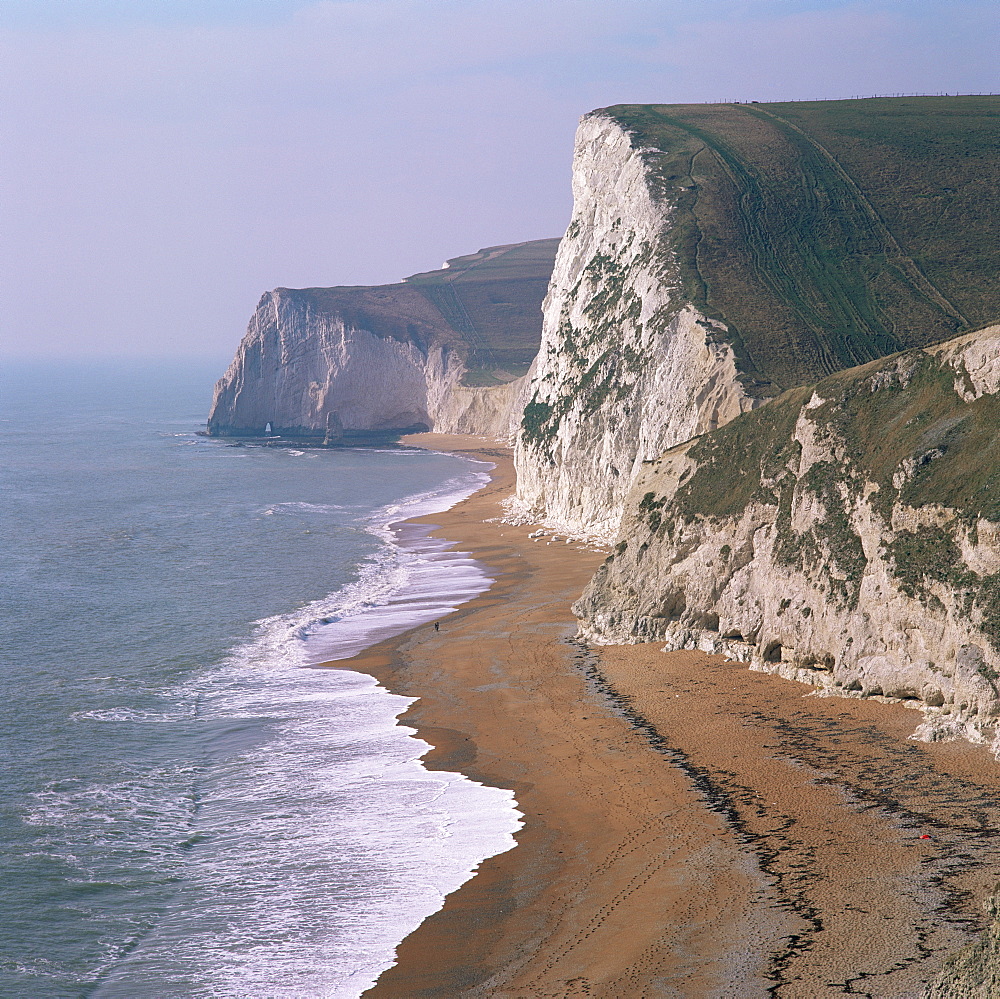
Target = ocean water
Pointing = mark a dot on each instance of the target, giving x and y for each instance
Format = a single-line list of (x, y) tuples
[(186, 808)]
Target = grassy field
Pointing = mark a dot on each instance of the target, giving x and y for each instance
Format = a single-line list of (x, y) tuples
[(493, 299), (486, 305), (827, 234)]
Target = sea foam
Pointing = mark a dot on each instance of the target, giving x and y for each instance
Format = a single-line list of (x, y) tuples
[(413, 579), (189, 810), (319, 840)]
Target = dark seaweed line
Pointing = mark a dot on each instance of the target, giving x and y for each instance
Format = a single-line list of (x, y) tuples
[(791, 888), (722, 804), (949, 861), (952, 857)]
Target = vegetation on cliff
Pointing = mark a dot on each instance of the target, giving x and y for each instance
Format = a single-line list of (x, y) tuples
[(895, 434), (328, 362), (903, 410), (493, 301), (827, 234), (597, 363)]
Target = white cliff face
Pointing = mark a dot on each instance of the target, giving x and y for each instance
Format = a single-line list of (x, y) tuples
[(305, 371), (295, 368), (976, 358), (832, 568), (493, 411), (626, 368)]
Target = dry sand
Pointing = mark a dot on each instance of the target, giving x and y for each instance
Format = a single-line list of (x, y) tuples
[(691, 828)]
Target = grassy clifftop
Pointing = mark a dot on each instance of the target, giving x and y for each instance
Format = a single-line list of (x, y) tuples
[(493, 299), (487, 305), (826, 234), (899, 436)]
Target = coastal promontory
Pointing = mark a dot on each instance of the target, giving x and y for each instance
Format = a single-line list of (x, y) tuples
[(721, 254), (446, 350), (761, 369)]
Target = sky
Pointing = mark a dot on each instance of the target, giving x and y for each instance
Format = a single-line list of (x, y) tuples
[(165, 162)]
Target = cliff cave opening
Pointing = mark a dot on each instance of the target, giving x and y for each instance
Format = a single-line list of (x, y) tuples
[(772, 654)]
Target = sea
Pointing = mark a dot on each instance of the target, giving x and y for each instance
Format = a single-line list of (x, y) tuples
[(187, 807)]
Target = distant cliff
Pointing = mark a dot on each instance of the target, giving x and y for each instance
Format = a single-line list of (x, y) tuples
[(446, 350), (847, 534), (720, 254)]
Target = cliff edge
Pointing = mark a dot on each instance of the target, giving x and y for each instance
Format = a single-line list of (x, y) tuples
[(847, 535), (627, 367), (446, 350), (721, 254)]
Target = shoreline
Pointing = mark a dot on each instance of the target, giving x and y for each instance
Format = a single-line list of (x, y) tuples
[(690, 828)]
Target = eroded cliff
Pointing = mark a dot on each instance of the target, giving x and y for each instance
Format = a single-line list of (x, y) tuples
[(445, 350), (721, 254), (846, 534), (627, 367)]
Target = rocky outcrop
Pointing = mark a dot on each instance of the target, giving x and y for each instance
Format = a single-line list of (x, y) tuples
[(974, 972), (328, 362), (720, 254), (846, 534), (627, 366)]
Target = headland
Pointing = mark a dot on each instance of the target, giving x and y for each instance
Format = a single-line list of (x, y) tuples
[(768, 380)]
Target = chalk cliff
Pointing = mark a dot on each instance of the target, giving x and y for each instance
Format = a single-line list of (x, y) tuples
[(446, 350), (847, 534), (734, 383), (721, 254), (627, 366)]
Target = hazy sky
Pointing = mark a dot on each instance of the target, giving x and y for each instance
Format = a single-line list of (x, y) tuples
[(163, 162)]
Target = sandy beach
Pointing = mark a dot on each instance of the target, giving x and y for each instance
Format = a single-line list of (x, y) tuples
[(691, 828)]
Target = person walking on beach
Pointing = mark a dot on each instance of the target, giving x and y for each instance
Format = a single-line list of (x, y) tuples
[(437, 625)]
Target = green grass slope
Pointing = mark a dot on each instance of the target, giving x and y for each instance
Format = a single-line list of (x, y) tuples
[(492, 299), (827, 234), (904, 439), (486, 305)]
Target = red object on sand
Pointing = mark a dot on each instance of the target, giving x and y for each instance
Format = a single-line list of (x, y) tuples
[(925, 836)]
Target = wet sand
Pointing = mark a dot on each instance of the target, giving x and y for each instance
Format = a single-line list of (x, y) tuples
[(691, 828)]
